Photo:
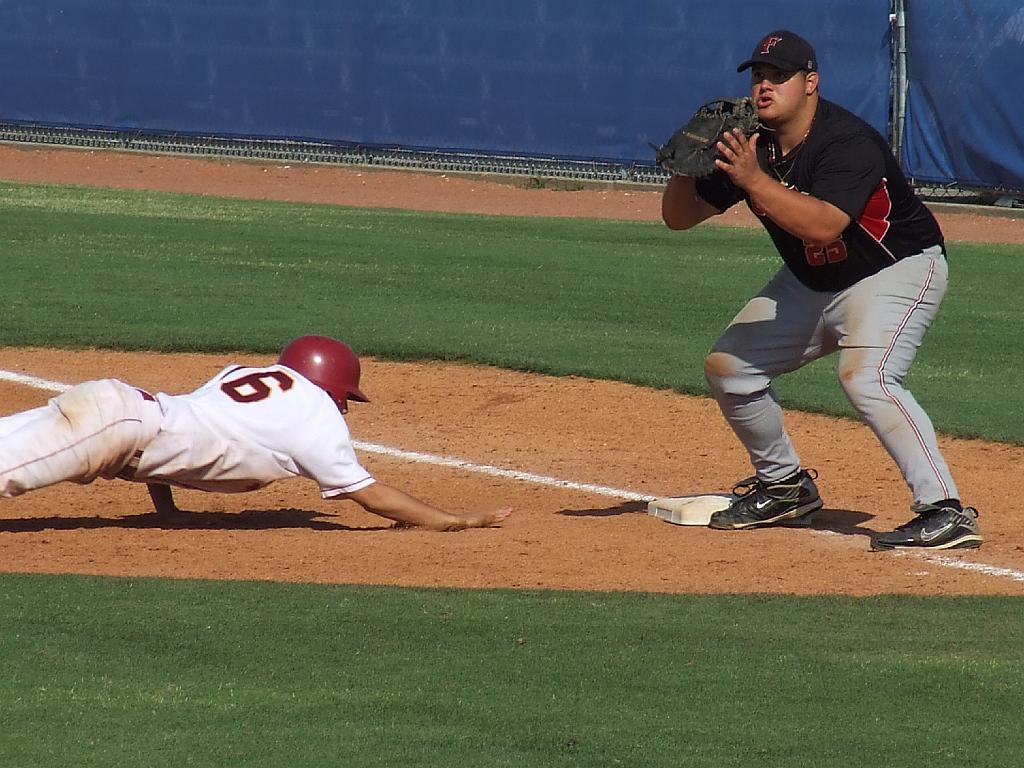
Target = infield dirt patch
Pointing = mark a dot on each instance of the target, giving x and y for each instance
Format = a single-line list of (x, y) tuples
[(661, 444)]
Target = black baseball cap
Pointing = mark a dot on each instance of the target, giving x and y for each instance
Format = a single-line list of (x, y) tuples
[(785, 50)]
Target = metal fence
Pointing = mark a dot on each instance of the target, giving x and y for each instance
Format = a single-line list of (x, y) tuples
[(334, 153), (578, 171)]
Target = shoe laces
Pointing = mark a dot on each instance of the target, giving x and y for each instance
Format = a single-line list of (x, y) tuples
[(919, 520), (750, 485), (927, 513), (755, 484)]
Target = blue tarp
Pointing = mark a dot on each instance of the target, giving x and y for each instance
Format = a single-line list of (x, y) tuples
[(965, 59), (594, 79)]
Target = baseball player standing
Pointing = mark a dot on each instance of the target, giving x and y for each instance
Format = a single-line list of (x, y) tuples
[(864, 274), (242, 430)]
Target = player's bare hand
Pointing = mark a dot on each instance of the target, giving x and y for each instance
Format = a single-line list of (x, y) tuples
[(740, 158), (410, 512), (487, 519)]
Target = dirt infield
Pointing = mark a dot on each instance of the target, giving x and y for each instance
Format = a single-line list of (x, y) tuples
[(559, 537)]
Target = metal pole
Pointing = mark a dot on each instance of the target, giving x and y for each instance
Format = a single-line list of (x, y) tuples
[(898, 111)]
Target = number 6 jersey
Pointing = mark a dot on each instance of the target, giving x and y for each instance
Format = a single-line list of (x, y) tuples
[(248, 427)]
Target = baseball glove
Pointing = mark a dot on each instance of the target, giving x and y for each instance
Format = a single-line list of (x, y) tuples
[(691, 150)]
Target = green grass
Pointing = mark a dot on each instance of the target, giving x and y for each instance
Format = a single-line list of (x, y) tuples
[(101, 672), (618, 300)]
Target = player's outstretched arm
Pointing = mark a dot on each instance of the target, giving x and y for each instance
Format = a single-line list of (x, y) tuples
[(397, 505), (163, 499)]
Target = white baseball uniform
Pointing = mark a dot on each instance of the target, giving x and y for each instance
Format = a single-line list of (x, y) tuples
[(242, 430)]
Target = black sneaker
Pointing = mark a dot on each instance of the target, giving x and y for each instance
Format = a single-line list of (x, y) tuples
[(760, 503), (934, 528)]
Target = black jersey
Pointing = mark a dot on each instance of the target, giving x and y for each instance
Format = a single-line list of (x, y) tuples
[(845, 162)]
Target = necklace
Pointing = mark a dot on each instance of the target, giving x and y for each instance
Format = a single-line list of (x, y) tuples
[(774, 160)]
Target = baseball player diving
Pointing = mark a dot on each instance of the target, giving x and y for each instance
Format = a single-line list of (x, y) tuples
[(242, 430), (864, 274)]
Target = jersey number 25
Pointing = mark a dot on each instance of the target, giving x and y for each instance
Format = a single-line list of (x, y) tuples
[(820, 255)]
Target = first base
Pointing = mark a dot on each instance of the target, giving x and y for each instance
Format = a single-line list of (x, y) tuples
[(688, 510)]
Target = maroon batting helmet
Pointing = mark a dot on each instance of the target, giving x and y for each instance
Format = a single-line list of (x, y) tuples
[(328, 363)]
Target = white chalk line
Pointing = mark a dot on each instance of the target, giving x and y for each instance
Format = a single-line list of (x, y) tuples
[(511, 474), (32, 381), (968, 565), (529, 477)]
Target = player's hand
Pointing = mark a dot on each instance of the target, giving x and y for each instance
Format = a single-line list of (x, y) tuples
[(487, 519), (410, 512), (740, 155)]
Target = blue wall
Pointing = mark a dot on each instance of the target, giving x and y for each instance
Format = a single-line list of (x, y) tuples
[(567, 78), (590, 79), (966, 96)]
